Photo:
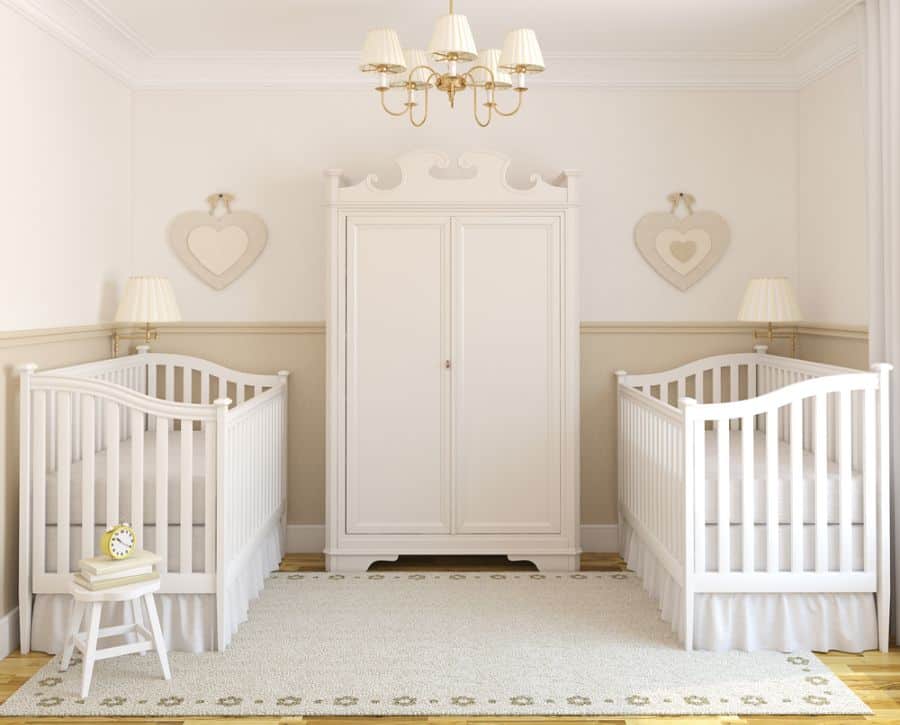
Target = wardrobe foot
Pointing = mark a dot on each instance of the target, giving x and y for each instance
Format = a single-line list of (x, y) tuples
[(550, 562), (353, 563)]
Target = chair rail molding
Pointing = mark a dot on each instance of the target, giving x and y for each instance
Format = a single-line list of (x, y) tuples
[(93, 30)]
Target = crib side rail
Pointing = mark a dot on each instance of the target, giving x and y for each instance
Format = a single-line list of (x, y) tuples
[(708, 380), (191, 379), (110, 471), (797, 554), (651, 476), (252, 486)]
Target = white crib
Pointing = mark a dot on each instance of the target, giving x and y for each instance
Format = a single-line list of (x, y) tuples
[(192, 454), (812, 440)]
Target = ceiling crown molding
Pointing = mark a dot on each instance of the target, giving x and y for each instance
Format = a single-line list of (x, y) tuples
[(90, 29)]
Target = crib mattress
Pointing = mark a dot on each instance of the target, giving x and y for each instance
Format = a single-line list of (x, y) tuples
[(784, 547), (784, 477), (198, 483)]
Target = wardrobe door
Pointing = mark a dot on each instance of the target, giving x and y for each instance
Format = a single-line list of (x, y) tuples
[(398, 388), (507, 375)]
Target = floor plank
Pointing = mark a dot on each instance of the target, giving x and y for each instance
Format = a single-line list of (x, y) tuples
[(873, 676)]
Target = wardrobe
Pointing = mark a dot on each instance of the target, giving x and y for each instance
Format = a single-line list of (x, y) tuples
[(452, 364)]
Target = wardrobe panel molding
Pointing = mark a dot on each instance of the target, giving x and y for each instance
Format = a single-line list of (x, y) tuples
[(453, 365)]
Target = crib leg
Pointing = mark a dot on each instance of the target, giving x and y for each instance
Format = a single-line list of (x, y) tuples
[(884, 617), (688, 620)]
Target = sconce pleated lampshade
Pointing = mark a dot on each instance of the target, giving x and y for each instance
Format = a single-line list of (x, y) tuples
[(770, 299), (414, 57), (452, 35), (521, 50), (148, 300), (381, 50), (490, 58)]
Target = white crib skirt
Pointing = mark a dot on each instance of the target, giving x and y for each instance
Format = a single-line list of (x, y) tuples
[(784, 622), (188, 620)]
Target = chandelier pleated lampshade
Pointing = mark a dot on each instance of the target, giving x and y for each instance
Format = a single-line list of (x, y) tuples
[(381, 50), (490, 59), (452, 36), (521, 51), (414, 58)]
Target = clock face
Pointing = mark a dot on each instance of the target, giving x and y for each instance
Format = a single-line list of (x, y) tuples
[(121, 543)]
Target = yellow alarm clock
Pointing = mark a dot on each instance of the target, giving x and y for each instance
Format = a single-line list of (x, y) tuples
[(119, 542)]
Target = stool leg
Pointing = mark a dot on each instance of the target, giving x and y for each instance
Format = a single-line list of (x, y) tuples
[(74, 626), (90, 651), (138, 618), (157, 635)]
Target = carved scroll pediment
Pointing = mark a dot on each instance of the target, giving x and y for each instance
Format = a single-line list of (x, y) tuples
[(475, 177)]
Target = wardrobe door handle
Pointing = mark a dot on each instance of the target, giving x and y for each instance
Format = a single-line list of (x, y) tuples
[(447, 364)]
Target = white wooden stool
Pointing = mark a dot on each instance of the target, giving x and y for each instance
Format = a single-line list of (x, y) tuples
[(91, 603)]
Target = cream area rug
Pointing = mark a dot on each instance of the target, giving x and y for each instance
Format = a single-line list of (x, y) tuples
[(390, 643)]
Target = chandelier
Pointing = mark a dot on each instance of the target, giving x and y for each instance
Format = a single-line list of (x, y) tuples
[(452, 44)]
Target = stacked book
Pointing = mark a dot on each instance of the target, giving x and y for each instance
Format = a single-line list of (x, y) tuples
[(101, 572)]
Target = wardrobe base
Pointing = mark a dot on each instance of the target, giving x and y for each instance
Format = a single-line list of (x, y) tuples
[(356, 563)]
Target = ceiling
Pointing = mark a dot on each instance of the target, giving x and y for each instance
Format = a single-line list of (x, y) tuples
[(703, 27)]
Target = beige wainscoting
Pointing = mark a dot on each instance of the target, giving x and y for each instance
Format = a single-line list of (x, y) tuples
[(300, 348)]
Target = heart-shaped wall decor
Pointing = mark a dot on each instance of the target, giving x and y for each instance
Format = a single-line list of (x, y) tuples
[(682, 250), (218, 249)]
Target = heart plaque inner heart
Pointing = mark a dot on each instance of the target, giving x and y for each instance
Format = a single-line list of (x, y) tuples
[(218, 249), (682, 249)]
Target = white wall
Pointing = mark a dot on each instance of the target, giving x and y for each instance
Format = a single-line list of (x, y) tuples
[(65, 147), (831, 184), (735, 151)]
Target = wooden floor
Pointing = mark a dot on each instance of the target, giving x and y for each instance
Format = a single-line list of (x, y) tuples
[(873, 676)]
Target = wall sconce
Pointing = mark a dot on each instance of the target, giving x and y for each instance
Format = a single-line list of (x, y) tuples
[(771, 300), (147, 300)]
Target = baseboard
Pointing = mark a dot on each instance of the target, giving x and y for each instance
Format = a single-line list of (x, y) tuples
[(307, 538), (600, 538), (9, 633)]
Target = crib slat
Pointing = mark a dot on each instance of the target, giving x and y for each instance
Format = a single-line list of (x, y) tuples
[(187, 492), (717, 385), (170, 382), (137, 475), (845, 483), (699, 495), (733, 394), (88, 475), (111, 419), (209, 518), (796, 486), (240, 391), (681, 386), (724, 494), (187, 384), (772, 484), (51, 426), (151, 392), (39, 478), (161, 521), (821, 465), (204, 387), (63, 479), (752, 370), (698, 383), (869, 522), (748, 490)]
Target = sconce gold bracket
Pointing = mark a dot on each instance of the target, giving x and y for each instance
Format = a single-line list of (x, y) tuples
[(770, 334), (147, 335)]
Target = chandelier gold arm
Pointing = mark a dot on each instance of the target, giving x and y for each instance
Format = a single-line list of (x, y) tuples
[(489, 86), (521, 92), (382, 92)]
